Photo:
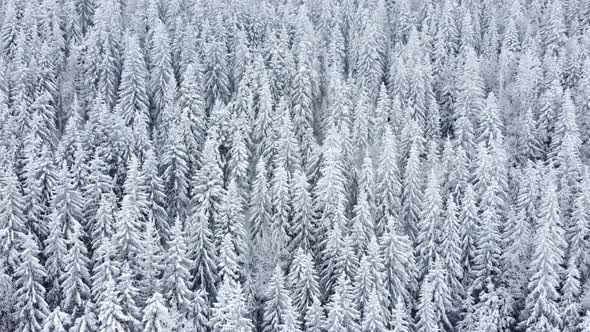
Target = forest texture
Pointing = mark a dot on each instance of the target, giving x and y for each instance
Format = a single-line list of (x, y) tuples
[(294, 166)]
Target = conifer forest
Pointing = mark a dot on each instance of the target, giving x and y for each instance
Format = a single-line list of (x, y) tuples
[(294, 165)]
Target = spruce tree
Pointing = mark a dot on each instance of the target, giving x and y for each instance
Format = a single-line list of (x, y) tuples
[(87, 322), (150, 263), (76, 278), (12, 220), (426, 315), (402, 321), (55, 252), (99, 183), (331, 254), (280, 199), (411, 196), (487, 253), (276, 303), (30, 293), (259, 207), (291, 323), (175, 165), (207, 183), (176, 277), (56, 321), (67, 204), (362, 224), (155, 195), (329, 193), (429, 235), (156, 316), (374, 315), (231, 221), (191, 103), (302, 229), (127, 296), (342, 312), (228, 261), (202, 254), (468, 220), (450, 251), (133, 103), (314, 317), (388, 183), (229, 311), (104, 268), (399, 263), (111, 317), (302, 280), (216, 78), (239, 161), (160, 68), (546, 264)]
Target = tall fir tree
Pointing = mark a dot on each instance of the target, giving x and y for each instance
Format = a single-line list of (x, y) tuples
[(12, 221), (30, 293), (229, 313), (546, 264)]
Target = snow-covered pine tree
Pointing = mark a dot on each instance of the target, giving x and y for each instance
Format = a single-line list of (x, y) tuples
[(259, 206), (161, 71), (99, 183), (468, 221), (314, 317), (129, 218), (207, 183), (175, 174), (388, 183), (155, 195), (76, 277), (426, 315), (56, 321), (111, 317), (280, 199), (229, 313), (374, 315), (276, 302), (302, 280), (133, 103), (104, 268), (29, 291), (67, 204), (238, 163), (87, 322), (400, 265), (231, 222), (329, 195), (127, 296), (202, 254), (156, 316), (150, 263), (55, 252), (429, 235), (176, 279), (545, 267), (363, 225), (12, 221), (216, 78), (411, 197), (402, 321), (450, 252), (342, 312), (302, 229), (290, 321), (191, 102)]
